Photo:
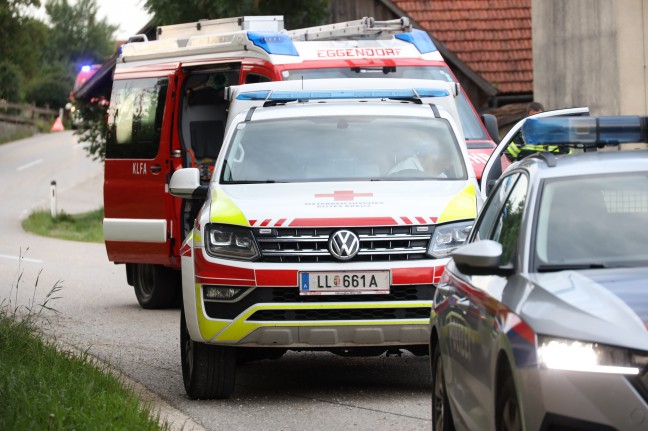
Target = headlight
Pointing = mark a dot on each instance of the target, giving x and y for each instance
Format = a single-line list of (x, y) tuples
[(564, 354), (230, 242), (448, 237)]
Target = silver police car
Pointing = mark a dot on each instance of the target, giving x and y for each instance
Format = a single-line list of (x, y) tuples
[(540, 320)]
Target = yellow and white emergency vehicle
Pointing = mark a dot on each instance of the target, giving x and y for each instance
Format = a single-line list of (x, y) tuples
[(167, 112), (331, 211)]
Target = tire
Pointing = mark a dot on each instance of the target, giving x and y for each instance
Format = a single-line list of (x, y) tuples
[(208, 372), (441, 414), (508, 415), (156, 286)]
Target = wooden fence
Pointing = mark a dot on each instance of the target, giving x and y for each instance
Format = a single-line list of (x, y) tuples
[(25, 113)]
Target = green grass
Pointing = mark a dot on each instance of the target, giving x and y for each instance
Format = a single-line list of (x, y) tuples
[(44, 388), (85, 227)]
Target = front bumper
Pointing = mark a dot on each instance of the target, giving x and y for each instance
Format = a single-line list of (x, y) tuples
[(572, 400), (270, 312), (315, 322)]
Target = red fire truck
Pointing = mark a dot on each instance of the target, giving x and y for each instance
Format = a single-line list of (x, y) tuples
[(168, 111)]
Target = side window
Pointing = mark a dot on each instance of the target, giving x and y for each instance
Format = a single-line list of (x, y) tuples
[(492, 209), (253, 78), (507, 228), (135, 118)]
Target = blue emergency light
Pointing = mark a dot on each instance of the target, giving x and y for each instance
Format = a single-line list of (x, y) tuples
[(285, 96), (587, 131), (85, 68), (273, 42), (420, 39)]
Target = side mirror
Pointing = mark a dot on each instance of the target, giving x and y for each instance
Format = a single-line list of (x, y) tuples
[(480, 258), (490, 122), (185, 183)]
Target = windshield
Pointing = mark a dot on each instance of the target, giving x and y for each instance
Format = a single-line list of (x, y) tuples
[(343, 148), (470, 123), (593, 221)]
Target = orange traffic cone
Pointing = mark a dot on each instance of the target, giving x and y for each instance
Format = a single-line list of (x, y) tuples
[(57, 126)]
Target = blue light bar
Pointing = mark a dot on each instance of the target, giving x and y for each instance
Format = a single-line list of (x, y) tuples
[(584, 130), (285, 96), (85, 68), (420, 39), (273, 42)]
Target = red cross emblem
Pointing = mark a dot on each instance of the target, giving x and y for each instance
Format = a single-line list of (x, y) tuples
[(343, 195)]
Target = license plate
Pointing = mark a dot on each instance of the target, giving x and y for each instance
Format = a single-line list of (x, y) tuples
[(344, 283)]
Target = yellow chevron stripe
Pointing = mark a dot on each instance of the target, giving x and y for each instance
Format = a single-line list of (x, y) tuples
[(224, 210), (463, 206), (232, 331)]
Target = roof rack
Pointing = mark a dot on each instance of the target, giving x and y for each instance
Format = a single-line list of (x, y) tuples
[(362, 28)]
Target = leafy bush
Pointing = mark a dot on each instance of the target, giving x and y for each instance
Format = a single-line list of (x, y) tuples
[(10, 82), (48, 92), (94, 127)]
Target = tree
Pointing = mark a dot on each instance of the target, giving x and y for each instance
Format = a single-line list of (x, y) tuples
[(48, 91), (77, 37), (9, 82), (12, 18), (297, 13), (20, 39)]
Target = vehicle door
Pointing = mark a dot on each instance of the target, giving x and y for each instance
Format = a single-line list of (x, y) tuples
[(137, 205), (473, 305), (201, 114), (501, 157)]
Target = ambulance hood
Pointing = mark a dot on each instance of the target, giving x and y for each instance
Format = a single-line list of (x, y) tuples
[(382, 203)]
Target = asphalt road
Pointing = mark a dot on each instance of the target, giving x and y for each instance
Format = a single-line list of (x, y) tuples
[(98, 313)]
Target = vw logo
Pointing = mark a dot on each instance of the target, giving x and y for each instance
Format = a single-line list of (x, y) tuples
[(344, 245)]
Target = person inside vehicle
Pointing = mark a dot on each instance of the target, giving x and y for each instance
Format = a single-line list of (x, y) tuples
[(427, 158)]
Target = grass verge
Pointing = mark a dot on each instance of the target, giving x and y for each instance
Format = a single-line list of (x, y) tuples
[(85, 227), (44, 388), (16, 136)]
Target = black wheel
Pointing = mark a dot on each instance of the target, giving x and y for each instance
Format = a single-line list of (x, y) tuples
[(156, 286), (508, 409), (441, 414), (208, 372)]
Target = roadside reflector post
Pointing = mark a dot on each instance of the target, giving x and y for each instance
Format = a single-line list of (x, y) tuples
[(53, 198)]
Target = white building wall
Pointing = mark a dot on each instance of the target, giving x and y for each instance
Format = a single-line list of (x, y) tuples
[(590, 53), (632, 46)]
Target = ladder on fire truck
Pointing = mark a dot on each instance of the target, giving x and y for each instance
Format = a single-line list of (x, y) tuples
[(366, 27), (229, 35)]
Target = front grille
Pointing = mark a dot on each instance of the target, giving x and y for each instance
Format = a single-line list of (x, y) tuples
[(377, 244), (287, 295), (344, 314), (405, 293)]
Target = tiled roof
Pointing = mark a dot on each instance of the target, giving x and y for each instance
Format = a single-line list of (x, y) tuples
[(493, 37)]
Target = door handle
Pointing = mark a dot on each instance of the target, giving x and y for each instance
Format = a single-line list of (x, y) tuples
[(156, 169)]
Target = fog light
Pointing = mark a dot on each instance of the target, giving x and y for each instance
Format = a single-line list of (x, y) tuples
[(221, 292)]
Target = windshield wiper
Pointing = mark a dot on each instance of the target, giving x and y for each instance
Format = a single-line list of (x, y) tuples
[(254, 182), (568, 266)]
